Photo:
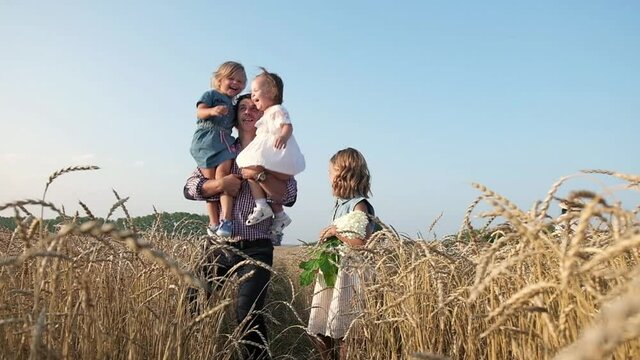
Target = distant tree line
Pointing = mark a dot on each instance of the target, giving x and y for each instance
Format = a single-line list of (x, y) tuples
[(178, 222)]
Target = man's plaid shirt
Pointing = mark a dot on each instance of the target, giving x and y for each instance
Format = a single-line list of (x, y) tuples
[(243, 205)]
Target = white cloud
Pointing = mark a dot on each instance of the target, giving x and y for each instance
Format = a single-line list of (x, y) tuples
[(138, 164)]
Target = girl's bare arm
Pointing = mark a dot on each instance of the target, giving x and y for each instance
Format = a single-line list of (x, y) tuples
[(285, 133), (204, 111)]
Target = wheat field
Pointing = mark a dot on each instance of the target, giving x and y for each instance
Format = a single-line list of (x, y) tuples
[(523, 285)]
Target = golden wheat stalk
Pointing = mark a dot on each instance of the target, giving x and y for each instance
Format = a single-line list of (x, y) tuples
[(433, 224), (86, 210), (36, 336), (485, 279), (136, 245), (20, 232), (616, 324), (22, 203), (61, 172), (116, 205), (500, 200), (25, 210), (31, 253), (611, 252), (633, 179), (541, 212), (466, 223), (429, 356), (219, 307), (573, 243), (511, 305)]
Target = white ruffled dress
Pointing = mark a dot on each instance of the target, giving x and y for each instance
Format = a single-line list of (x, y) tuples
[(261, 150)]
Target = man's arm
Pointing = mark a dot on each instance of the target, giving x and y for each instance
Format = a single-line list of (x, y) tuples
[(275, 187), (291, 193), (199, 187)]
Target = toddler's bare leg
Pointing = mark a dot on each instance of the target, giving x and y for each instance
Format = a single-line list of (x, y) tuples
[(262, 210), (275, 185), (212, 207), (256, 189), (226, 200)]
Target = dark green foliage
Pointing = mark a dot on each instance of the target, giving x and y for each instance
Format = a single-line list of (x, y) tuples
[(7, 223), (177, 222), (324, 259)]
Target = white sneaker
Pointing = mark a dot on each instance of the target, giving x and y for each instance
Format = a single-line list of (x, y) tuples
[(279, 223), (259, 214), (211, 230)]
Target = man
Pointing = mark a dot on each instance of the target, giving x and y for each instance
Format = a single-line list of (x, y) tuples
[(255, 242)]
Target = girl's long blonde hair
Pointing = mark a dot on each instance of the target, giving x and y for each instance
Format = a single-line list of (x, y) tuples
[(352, 177)]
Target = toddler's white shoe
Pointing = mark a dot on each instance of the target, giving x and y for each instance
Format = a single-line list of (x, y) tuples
[(259, 214), (211, 229), (280, 222)]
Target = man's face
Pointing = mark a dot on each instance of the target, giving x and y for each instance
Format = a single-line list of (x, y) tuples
[(248, 114)]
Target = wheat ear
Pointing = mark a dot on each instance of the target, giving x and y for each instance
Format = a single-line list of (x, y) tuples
[(61, 172)]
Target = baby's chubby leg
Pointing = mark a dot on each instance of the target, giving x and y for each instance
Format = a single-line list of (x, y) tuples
[(275, 185)]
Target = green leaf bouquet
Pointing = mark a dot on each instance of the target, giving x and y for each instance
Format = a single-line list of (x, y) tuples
[(325, 257)]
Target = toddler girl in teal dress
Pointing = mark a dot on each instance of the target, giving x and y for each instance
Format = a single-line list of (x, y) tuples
[(212, 144)]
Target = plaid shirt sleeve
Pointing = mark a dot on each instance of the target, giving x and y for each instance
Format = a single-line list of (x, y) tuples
[(193, 188)]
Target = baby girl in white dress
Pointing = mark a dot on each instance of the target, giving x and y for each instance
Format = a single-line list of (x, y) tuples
[(274, 151)]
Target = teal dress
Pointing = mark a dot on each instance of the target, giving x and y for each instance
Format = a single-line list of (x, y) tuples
[(212, 143), (333, 309)]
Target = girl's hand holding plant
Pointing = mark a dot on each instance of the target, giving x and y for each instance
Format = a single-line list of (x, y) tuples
[(325, 257), (328, 232)]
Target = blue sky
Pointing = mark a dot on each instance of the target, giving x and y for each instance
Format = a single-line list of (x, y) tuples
[(437, 95)]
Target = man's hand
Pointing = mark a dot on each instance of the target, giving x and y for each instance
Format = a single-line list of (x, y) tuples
[(231, 184)]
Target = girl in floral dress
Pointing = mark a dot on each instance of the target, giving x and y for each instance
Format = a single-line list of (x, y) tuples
[(334, 308)]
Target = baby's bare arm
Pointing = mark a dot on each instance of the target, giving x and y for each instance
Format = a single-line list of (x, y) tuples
[(285, 133)]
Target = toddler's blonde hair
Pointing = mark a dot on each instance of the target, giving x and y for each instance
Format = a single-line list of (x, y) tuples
[(225, 70), (352, 177)]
